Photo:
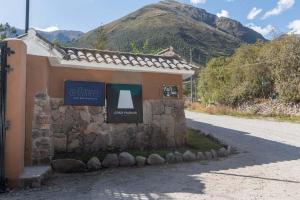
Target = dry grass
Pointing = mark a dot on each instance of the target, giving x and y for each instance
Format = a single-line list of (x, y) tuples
[(226, 110)]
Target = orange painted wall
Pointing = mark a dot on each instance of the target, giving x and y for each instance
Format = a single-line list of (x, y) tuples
[(15, 113), (152, 82), (43, 77)]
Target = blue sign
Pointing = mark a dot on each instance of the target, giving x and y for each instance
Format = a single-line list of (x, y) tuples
[(82, 93)]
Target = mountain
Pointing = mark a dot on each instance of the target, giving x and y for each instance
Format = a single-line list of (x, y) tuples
[(63, 36), (170, 23)]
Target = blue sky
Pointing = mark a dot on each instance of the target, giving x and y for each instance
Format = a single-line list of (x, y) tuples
[(267, 16)]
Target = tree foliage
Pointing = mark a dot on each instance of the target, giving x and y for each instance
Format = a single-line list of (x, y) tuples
[(261, 70), (144, 48), (101, 39)]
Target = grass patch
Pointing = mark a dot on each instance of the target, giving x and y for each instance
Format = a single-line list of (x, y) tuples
[(225, 110), (196, 142)]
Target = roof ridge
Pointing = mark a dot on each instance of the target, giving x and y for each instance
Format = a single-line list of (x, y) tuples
[(122, 53)]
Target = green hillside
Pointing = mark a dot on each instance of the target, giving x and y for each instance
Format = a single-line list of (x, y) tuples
[(169, 23)]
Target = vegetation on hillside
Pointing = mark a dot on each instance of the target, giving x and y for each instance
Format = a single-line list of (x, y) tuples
[(260, 70), (170, 23)]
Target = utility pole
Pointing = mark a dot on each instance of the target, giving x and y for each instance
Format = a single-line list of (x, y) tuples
[(191, 60), (27, 16)]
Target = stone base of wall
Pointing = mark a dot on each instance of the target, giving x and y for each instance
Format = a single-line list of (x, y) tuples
[(84, 128), (77, 129), (42, 135)]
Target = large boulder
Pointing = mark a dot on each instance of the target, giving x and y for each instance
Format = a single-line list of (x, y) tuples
[(178, 156), (170, 158), (126, 159), (222, 152), (140, 161), (110, 160), (214, 154), (189, 156), (155, 159), (94, 164), (200, 156), (208, 155), (68, 165)]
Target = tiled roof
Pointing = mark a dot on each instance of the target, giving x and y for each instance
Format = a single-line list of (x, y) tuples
[(166, 61), (121, 58)]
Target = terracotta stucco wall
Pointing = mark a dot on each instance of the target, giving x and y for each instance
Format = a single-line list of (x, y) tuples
[(15, 113), (152, 82), (41, 77)]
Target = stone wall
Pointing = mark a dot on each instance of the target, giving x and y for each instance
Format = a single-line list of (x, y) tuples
[(42, 135), (270, 107), (84, 128)]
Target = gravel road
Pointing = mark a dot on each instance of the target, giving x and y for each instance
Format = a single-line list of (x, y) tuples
[(267, 167)]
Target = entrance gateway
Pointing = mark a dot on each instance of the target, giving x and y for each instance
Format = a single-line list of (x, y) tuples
[(72, 100)]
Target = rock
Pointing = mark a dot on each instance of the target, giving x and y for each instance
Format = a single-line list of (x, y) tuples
[(85, 116), (178, 156), (189, 156), (60, 144), (92, 128), (110, 160), (214, 154), (170, 158), (222, 152), (68, 165), (208, 155), (126, 159), (94, 164), (200, 156), (75, 144), (155, 159), (229, 150), (99, 119), (140, 161)]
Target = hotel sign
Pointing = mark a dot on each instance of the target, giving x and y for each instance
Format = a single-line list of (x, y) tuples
[(124, 103), (83, 93)]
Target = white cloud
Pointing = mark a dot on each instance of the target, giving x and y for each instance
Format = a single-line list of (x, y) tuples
[(253, 13), (48, 29), (282, 5), (294, 27), (265, 31), (198, 1), (223, 13)]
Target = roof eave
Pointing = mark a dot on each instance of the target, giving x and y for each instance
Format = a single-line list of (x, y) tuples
[(55, 62)]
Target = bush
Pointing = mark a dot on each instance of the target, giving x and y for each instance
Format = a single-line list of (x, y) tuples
[(283, 55), (254, 71)]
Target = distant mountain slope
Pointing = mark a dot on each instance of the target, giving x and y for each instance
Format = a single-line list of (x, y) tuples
[(169, 23), (63, 36)]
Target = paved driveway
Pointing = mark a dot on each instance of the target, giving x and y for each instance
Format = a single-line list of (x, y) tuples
[(267, 167)]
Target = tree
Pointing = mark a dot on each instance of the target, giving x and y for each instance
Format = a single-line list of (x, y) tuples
[(101, 39), (57, 43), (283, 55), (144, 49)]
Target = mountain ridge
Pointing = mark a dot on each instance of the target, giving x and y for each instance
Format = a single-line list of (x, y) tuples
[(170, 23)]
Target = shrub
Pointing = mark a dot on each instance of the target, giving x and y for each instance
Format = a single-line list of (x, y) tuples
[(259, 70)]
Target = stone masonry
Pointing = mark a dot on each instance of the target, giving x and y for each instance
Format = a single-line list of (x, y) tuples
[(42, 135), (84, 128)]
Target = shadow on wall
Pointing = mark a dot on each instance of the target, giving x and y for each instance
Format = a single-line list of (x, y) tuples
[(163, 181)]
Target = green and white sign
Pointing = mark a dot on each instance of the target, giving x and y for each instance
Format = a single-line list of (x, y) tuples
[(124, 103)]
